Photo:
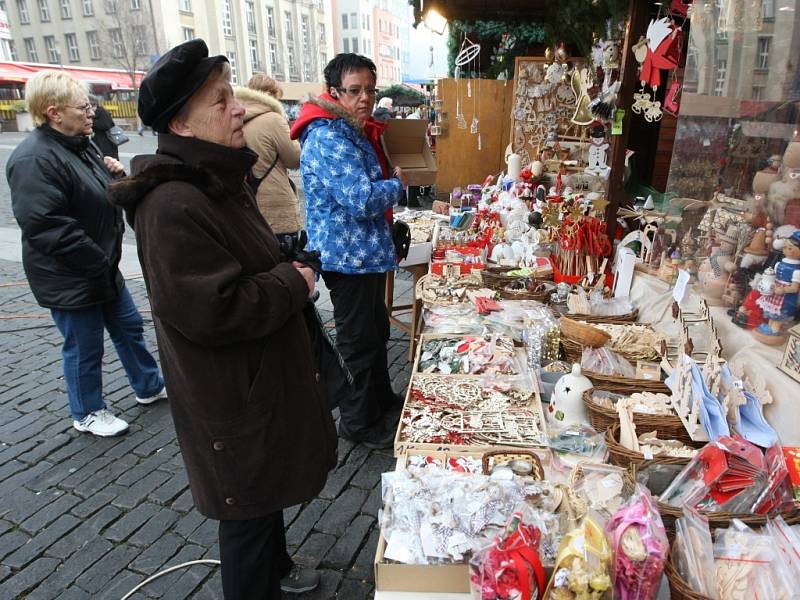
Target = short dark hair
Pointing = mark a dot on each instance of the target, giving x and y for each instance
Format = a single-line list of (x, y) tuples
[(344, 63)]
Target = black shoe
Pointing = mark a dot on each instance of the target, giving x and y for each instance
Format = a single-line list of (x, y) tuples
[(376, 439)]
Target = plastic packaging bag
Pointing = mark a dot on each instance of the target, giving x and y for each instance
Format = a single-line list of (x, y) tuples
[(693, 553), (640, 547), (605, 362), (579, 439), (583, 565), (509, 568)]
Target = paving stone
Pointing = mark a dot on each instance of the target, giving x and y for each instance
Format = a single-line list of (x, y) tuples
[(155, 443), (74, 593), (341, 512), (206, 534), (290, 514), (140, 490), (9, 451), (130, 522), (37, 544), (85, 472), (328, 584), (174, 486), (44, 448), (16, 586), (86, 533), (100, 480), (313, 549), (21, 503), (344, 551), (353, 589), (188, 523), (93, 503), (373, 503), (188, 581), (5, 526), (66, 574), (184, 502), (146, 466), (369, 475), (155, 527), (305, 522), (164, 585), (23, 477), (4, 572), (211, 590), (154, 557), (363, 566), (49, 513), (11, 467), (12, 541), (101, 573)]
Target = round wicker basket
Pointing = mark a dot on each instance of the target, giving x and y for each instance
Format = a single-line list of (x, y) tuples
[(613, 319), (541, 294), (583, 334), (496, 277), (623, 457), (679, 589), (625, 385), (668, 426)]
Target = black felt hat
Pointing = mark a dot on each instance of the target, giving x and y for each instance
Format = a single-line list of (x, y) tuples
[(172, 80)]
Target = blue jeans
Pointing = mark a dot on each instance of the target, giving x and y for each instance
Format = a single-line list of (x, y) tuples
[(83, 352)]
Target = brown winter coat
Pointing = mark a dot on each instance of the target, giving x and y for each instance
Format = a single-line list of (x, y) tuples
[(266, 131), (249, 409)]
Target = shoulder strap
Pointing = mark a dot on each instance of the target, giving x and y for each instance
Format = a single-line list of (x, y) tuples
[(254, 182)]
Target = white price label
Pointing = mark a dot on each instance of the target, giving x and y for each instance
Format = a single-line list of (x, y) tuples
[(679, 291)]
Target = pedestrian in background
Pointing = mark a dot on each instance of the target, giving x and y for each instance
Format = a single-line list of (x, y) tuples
[(385, 110), (230, 314), (349, 194), (71, 248), (266, 132), (101, 125)]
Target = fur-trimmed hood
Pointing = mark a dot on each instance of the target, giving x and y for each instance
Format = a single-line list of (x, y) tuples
[(257, 103), (215, 171), (323, 106)]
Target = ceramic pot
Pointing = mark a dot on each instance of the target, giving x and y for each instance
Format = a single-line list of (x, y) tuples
[(566, 402)]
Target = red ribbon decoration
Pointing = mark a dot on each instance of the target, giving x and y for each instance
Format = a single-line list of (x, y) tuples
[(667, 55)]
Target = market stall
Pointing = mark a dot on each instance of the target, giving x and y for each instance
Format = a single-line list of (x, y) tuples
[(602, 400)]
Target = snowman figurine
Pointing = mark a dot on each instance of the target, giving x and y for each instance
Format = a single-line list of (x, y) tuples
[(566, 403), (598, 152)]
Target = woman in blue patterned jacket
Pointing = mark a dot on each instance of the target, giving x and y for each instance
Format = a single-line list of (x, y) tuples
[(349, 194)]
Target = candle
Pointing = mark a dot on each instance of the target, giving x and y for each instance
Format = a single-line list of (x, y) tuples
[(514, 162)]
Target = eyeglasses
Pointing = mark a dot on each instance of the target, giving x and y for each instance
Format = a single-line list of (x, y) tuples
[(355, 92), (87, 108)]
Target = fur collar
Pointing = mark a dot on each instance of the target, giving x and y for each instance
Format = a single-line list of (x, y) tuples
[(337, 111), (257, 103)]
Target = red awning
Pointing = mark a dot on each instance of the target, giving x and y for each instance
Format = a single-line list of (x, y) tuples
[(13, 72)]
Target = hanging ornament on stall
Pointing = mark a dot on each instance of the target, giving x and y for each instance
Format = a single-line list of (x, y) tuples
[(661, 49), (467, 54)]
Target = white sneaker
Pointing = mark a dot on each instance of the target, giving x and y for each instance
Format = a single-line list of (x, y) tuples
[(162, 395), (102, 423)]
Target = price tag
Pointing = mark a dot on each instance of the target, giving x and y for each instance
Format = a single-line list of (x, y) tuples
[(679, 291), (616, 127), (648, 455)]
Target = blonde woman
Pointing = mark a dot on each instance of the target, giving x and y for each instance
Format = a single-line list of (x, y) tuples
[(71, 248), (266, 132)]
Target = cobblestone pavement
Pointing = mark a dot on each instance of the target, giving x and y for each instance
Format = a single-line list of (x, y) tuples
[(85, 517)]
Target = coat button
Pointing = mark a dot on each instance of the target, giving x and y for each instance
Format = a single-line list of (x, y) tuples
[(219, 446), (230, 501), (316, 376)]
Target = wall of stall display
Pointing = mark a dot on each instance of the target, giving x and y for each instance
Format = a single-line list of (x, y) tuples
[(734, 214)]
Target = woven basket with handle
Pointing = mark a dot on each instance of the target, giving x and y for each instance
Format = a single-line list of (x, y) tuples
[(623, 457), (679, 589)]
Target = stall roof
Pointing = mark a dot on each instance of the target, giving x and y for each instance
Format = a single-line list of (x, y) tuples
[(471, 10), (115, 79)]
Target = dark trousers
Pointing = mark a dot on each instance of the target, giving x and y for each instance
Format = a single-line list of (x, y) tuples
[(362, 330), (254, 558)]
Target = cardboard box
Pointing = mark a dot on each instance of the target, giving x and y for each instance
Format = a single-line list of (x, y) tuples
[(406, 147)]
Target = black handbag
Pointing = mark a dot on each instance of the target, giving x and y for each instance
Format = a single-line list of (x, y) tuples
[(401, 236), (117, 136)]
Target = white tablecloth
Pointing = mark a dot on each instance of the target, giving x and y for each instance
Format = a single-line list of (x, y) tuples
[(654, 299)]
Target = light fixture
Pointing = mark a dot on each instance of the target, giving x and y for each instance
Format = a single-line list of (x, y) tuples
[(434, 21)]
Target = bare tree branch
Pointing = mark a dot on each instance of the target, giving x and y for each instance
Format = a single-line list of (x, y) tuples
[(123, 35)]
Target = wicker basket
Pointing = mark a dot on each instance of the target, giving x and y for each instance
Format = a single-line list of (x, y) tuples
[(625, 385), (541, 294), (668, 426), (716, 520), (623, 457), (583, 334), (611, 319), (679, 589), (504, 456), (497, 278), (574, 352)]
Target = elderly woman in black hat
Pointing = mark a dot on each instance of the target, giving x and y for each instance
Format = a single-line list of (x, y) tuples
[(249, 408)]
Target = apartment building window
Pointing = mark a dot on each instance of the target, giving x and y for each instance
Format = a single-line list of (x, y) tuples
[(227, 19), (94, 45), (292, 61), (353, 21), (273, 58), (344, 21), (355, 45), (117, 44), (186, 6), (346, 45), (767, 9), (30, 50), (44, 11), (88, 8), (136, 5), (50, 48), (305, 33), (287, 25), (762, 59), (66, 9), (22, 9), (71, 42), (111, 7), (363, 21), (232, 62), (369, 22), (722, 19), (250, 16), (322, 37), (722, 72), (757, 92), (12, 50), (307, 72), (323, 59), (254, 55), (271, 21), (188, 34), (140, 40)]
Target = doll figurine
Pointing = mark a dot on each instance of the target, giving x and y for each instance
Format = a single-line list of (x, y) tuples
[(780, 306), (714, 272), (749, 315)]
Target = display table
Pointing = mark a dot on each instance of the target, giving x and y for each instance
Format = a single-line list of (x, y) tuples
[(653, 297), (410, 328)]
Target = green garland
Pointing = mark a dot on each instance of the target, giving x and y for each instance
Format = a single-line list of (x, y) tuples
[(396, 90), (489, 34)]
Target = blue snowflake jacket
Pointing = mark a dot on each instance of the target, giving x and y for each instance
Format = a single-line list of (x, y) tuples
[(346, 194)]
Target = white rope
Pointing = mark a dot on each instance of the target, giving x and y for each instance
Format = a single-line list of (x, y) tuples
[(205, 561)]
